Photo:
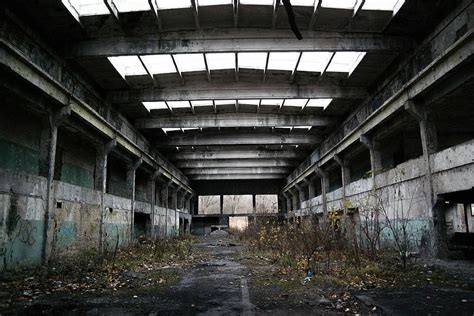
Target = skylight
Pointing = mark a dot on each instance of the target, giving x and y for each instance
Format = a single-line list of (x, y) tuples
[(88, 7), (278, 102), (383, 5), (132, 5), (249, 102), (203, 3), (171, 129), (302, 127), (314, 61), (252, 60), (225, 102), (345, 61), (339, 4), (283, 61), (173, 4), (160, 105), (295, 102), (159, 64), (303, 3), (216, 61), (257, 2), (202, 103), (128, 65), (190, 62), (324, 103), (178, 104)]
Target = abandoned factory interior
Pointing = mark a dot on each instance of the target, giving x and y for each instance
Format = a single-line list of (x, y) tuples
[(236, 157)]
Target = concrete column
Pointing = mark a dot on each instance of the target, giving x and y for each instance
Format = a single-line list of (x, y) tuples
[(345, 175), (131, 183), (174, 198), (221, 204), (375, 156), (311, 191), (294, 199), (100, 183), (48, 152), (254, 208), (324, 184), (164, 198), (153, 199), (429, 143)]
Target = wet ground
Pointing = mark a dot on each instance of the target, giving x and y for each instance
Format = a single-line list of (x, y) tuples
[(227, 283)]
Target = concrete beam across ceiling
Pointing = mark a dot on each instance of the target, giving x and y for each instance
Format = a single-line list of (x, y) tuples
[(234, 120), (239, 139), (262, 176), (239, 154), (237, 170), (236, 40), (236, 90), (228, 163)]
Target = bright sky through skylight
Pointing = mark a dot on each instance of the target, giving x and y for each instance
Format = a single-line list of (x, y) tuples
[(132, 5), (283, 61), (173, 4), (252, 60), (386, 5), (295, 102), (178, 104), (225, 102), (128, 65), (202, 103), (308, 3), (257, 2), (89, 7), (339, 4), (249, 102), (345, 61), (159, 64), (272, 102), (160, 105), (190, 62), (314, 61), (214, 2), (216, 61), (318, 103)]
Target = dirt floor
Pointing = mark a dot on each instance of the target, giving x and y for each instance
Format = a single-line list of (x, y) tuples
[(223, 279)]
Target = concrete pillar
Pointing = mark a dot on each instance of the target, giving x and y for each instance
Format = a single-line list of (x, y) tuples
[(131, 184), (375, 156), (174, 198), (254, 208), (165, 199), (100, 183), (153, 200), (48, 152), (221, 204), (294, 199), (311, 192), (324, 186), (345, 175)]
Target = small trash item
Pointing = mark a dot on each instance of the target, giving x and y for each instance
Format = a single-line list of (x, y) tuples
[(309, 275)]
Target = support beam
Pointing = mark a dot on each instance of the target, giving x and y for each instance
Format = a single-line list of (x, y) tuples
[(234, 120), (235, 4), (236, 170), (345, 175), (154, 11), (238, 176), (239, 139), (195, 8), (131, 186), (165, 188), (153, 198), (375, 156), (237, 40), (236, 90), (239, 154), (324, 186), (276, 6), (112, 9), (241, 163), (316, 8)]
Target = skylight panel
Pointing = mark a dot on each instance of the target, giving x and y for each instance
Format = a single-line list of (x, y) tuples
[(345, 61), (190, 62), (314, 61), (216, 61), (178, 104), (203, 3), (170, 129), (278, 102), (257, 2), (89, 7), (295, 102), (324, 103), (339, 4), (283, 61), (128, 65), (173, 4), (383, 5), (160, 105), (252, 60), (225, 102), (202, 103), (249, 102), (132, 5), (303, 3), (159, 64), (302, 127), (189, 128)]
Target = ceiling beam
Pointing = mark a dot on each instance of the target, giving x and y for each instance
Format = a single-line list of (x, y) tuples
[(237, 170), (154, 11), (240, 154), (112, 9), (237, 40), (234, 120), (237, 176), (237, 90), (223, 139), (241, 163)]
